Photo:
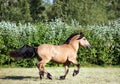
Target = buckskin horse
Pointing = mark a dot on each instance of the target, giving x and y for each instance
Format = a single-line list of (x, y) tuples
[(65, 54)]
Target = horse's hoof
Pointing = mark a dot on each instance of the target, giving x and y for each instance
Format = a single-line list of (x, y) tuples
[(41, 73), (75, 72), (49, 76), (62, 77), (41, 76)]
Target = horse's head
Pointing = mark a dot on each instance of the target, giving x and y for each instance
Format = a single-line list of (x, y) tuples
[(83, 41), (79, 38)]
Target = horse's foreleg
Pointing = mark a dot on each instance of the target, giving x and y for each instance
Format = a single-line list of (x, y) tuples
[(76, 71), (66, 71), (74, 61)]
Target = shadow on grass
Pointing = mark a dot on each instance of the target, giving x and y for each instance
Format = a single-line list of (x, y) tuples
[(18, 77), (24, 78)]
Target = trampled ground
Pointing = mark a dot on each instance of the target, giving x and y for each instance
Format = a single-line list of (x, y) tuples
[(86, 76)]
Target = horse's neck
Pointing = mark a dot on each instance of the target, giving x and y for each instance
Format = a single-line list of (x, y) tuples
[(75, 45)]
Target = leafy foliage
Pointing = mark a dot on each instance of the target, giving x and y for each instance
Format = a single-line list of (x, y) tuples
[(15, 10), (83, 11), (105, 40)]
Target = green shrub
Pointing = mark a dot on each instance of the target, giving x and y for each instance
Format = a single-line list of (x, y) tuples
[(105, 40)]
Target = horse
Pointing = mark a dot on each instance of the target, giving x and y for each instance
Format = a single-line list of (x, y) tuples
[(65, 53)]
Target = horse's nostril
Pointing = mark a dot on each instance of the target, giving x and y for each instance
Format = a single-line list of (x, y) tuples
[(88, 47)]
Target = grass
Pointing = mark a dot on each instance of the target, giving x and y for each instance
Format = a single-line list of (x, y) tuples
[(86, 76)]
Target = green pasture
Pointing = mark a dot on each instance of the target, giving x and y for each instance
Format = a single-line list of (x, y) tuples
[(86, 76)]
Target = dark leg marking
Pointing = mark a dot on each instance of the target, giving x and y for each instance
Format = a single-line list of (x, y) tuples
[(41, 73), (62, 77), (66, 70), (49, 76), (76, 71)]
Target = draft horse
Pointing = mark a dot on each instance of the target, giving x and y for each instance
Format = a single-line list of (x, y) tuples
[(65, 54)]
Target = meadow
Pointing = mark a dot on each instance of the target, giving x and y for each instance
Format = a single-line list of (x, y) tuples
[(98, 75), (20, 24)]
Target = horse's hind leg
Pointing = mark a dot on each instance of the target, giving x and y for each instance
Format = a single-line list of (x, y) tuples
[(38, 64), (41, 67), (66, 70)]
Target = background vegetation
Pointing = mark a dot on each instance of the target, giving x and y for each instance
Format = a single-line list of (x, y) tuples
[(83, 11), (35, 22)]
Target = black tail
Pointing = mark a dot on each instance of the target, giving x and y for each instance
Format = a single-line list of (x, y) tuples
[(24, 52)]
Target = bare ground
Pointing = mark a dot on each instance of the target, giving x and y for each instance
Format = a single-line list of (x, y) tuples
[(86, 76)]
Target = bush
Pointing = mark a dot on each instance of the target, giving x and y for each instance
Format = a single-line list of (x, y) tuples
[(104, 39), (14, 35)]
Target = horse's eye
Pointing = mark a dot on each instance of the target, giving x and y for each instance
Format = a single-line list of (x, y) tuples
[(84, 39)]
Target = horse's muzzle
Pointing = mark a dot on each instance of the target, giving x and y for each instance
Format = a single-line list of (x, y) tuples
[(88, 47)]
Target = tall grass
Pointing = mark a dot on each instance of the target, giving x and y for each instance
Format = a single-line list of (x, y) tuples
[(105, 40)]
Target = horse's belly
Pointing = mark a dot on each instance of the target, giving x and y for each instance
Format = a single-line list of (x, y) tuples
[(59, 59), (59, 55)]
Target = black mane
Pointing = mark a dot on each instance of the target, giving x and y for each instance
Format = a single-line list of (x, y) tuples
[(71, 36)]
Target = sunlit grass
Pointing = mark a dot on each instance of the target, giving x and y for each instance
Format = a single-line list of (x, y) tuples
[(86, 76)]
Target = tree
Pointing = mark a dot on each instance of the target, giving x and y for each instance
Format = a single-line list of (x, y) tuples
[(85, 11), (15, 10), (36, 9), (25, 10), (113, 9)]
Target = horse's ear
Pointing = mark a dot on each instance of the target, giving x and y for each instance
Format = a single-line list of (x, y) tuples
[(81, 35)]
